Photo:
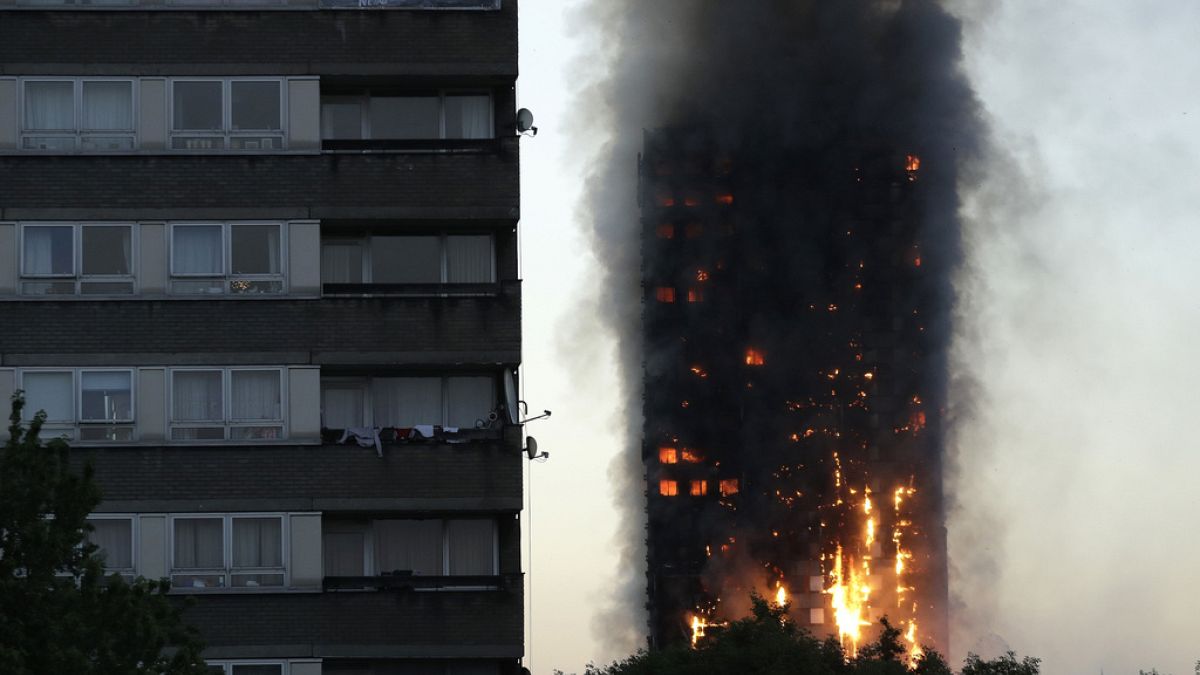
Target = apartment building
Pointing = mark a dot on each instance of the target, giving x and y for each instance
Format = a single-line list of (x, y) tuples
[(258, 262)]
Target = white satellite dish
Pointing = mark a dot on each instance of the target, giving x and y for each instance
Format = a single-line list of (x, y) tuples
[(525, 122)]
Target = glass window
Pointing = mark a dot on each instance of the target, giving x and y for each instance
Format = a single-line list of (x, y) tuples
[(196, 396), (469, 259), (107, 396), (51, 391), (107, 106), (469, 400), (256, 669), (341, 263), (255, 395), (255, 249), (409, 545), (254, 106), (410, 117), (341, 119), (407, 401), (197, 250), (200, 551), (107, 250), (49, 250), (50, 106), (198, 105), (468, 116), (113, 538), (471, 546), (255, 258), (257, 545), (342, 406), (343, 553), (406, 260), (104, 264)]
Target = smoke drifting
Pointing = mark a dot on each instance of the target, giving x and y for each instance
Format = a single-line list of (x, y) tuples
[(805, 111)]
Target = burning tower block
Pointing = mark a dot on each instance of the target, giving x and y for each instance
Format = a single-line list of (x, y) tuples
[(795, 329)]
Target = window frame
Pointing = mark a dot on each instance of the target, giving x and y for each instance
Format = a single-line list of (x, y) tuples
[(127, 573), (227, 134), (79, 133), (366, 384), (73, 430), (77, 276), (363, 100), (364, 246), (227, 276), (371, 539), (229, 571), (229, 422)]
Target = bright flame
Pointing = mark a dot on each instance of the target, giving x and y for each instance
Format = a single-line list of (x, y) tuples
[(781, 596), (698, 626), (914, 649), (849, 594), (754, 357)]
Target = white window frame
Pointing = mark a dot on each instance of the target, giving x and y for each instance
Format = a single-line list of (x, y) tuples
[(228, 571), (226, 276), (364, 102), (227, 134), (79, 134), (73, 429), (229, 423), (371, 536), (128, 573), (364, 246), (366, 385), (77, 276)]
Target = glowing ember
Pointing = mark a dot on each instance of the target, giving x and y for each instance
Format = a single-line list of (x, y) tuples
[(781, 595), (754, 357)]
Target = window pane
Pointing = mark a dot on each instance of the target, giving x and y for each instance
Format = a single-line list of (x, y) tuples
[(107, 105), (469, 400), (257, 542), (406, 117), (255, 395), (343, 554), (196, 249), (408, 545), (468, 117), (50, 106), (341, 264), (255, 249), (199, 543), (257, 669), (469, 259), (342, 407), (198, 106), (197, 396), (107, 396), (115, 539), (341, 120), (407, 401), (406, 260), (49, 249), (472, 547), (53, 392), (107, 249), (255, 105)]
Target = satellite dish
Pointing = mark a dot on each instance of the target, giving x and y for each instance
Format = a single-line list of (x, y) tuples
[(531, 447), (525, 122)]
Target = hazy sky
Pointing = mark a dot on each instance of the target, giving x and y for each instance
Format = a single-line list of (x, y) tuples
[(1077, 537)]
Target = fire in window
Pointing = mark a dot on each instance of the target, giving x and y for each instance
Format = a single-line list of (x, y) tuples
[(724, 198), (695, 295), (668, 488), (665, 231), (664, 198), (664, 294), (728, 487), (692, 456), (754, 357), (912, 164), (699, 488), (668, 456)]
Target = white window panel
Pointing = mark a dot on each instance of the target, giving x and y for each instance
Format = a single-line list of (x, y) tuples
[(469, 400), (51, 391), (228, 551), (407, 401), (454, 401), (342, 262), (427, 547), (227, 258), (77, 114), (410, 259), (409, 545), (471, 547), (77, 259), (229, 403), (227, 114), (406, 259), (114, 539), (418, 116), (101, 409)]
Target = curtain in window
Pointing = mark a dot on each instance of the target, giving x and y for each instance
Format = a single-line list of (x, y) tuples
[(49, 250), (255, 395), (468, 116), (107, 396), (199, 543), (255, 249), (469, 399), (197, 396), (115, 539), (342, 407), (50, 106), (106, 249), (107, 106), (409, 545), (407, 401), (341, 264), (472, 547), (469, 259), (52, 392), (406, 260), (257, 542), (196, 249), (343, 554)]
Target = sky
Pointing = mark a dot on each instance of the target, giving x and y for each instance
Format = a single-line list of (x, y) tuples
[(1075, 535)]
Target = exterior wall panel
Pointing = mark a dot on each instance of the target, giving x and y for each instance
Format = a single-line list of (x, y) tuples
[(8, 258), (304, 114), (151, 398), (152, 114), (305, 565), (152, 546), (8, 114)]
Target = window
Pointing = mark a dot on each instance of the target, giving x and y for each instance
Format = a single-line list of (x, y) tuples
[(219, 404), (113, 537), (74, 259), (226, 551), (73, 115), (668, 488), (227, 114), (414, 116), (82, 404), (247, 667), (698, 488), (227, 258), (409, 259), (458, 401), (432, 547)]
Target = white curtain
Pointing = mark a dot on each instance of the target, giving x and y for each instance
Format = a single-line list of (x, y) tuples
[(342, 407), (49, 250), (469, 399), (344, 554), (341, 264), (196, 249), (257, 542), (469, 116), (115, 539), (255, 395), (106, 395), (52, 392), (50, 106), (408, 545), (199, 543), (472, 547), (407, 401), (469, 259), (108, 106), (197, 396)]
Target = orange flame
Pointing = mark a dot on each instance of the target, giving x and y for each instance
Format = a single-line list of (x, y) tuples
[(754, 357)]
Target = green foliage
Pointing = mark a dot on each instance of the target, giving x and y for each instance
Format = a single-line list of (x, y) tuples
[(769, 643), (59, 613)]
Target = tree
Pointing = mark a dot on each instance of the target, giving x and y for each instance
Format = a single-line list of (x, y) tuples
[(769, 643), (59, 613)]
